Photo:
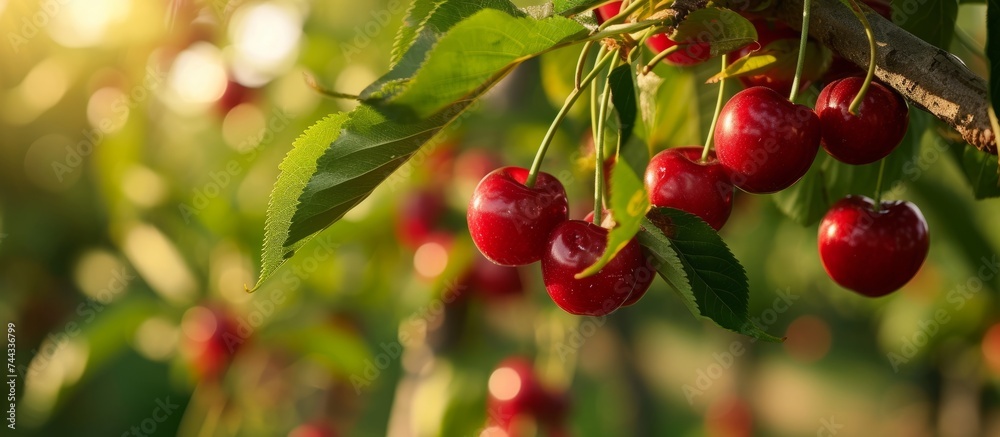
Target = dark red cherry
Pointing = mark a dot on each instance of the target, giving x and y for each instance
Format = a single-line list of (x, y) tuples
[(872, 252), (766, 142), (691, 54), (419, 216), (510, 222), (677, 178), (575, 245), (607, 11), (778, 77), (873, 133)]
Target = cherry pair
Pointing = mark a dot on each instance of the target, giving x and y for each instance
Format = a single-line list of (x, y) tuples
[(513, 224)]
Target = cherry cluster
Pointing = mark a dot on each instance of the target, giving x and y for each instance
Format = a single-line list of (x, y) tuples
[(764, 143)]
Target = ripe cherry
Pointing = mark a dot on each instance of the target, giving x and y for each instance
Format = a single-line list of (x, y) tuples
[(780, 76), (510, 222), (677, 178), (607, 11), (575, 245), (692, 54), (515, 394), (212, 340), (695, 53), (766, 142), (872, 252), (419, 216), (494, 281), (870, 135)]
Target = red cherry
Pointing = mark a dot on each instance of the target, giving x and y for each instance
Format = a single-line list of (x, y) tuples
[(213, 340), (607, 11), (419, 214), (677, 178), (778, 78), (882, 7), (694, 53), (869, 136), (516, 393), (872, 253), (234, 95), (494, 281), (317, 429), (575, 245), (510, 222), (765, 141)]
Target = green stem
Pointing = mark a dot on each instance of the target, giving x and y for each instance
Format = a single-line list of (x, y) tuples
[(715, 117), (570, 100), (599, 149), (622, 15), (856, 104), (659, 57), (803, 42), (581, 64), (878, 186)]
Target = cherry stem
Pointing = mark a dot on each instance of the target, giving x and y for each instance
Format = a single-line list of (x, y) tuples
[(715, 117), (856, 104), (878, 186), (599, 148), (803, 42), (582, 63), (622, 15), (570, 100), (659, 57)]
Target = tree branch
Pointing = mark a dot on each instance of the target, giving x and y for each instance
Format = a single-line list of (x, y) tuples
[(932, 79)]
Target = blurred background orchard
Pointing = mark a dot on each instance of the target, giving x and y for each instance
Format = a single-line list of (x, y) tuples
[(139, 141)]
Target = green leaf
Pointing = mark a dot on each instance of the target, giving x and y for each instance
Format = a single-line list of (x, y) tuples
[(714, 278), (665, 121), (623, 96), (427, 21), (807, 201), (723, 29), (629, 203), (981, 170), (931, 21), (778, 59), (573, 7), (479, 50), (296, 170)]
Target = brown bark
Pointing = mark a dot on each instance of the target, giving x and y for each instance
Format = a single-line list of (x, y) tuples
[(930, 78)]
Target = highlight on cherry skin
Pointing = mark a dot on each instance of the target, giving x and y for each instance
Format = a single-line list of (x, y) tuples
[(574, 246), (678, 178), (873, 133), (510, 222), (873, 252), (766, 142)]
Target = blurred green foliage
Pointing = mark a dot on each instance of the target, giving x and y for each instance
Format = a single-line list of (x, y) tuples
[(134, 178)]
